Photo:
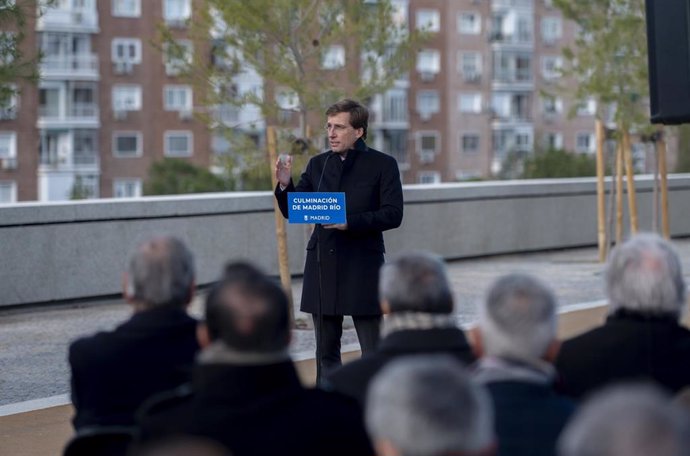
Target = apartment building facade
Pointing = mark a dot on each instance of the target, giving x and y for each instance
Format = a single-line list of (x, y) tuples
[(109, 103)]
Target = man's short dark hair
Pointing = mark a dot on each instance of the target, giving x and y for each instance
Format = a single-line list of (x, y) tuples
[(248, 311), (359, 114)]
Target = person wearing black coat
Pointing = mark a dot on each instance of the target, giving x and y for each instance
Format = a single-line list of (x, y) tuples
[(516, 342), (350, 253), (245, 392), (114, 372), (641, 339), (416, 295)]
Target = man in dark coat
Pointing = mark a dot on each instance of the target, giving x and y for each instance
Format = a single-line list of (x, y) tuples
[(113, 372), (350, 253), (641, 338), (416, 296), (245, 392), (516, 342)]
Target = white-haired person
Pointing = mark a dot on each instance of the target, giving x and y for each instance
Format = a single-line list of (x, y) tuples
[(627, 420), (427, 405), (516, 343), (642, 338)]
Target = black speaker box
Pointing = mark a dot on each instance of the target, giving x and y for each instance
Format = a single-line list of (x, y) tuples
[(668, 40)]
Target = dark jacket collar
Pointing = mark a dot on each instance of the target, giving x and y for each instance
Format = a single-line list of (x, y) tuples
[(157, 317), (243, 384), (425, 340), (627, 315)]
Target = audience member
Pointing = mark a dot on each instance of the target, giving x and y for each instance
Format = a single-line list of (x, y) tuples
[(245, 392), (113, 372), (627, 420), (428, 406), (641, 338), (516, 343), (416, 296)]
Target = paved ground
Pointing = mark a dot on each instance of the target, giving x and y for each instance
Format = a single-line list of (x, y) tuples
[(33, 342)]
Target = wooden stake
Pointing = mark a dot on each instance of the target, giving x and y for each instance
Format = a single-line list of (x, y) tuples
[(281, 233), (663, 172), (630, 174), (601, 202), (619, 192)]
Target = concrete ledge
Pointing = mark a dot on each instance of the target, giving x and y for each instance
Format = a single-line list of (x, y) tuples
[(78, 250)]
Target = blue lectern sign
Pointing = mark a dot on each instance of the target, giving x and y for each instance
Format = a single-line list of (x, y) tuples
[(316, 207)]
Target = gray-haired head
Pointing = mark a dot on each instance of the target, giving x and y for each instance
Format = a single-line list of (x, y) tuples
[(518, 318), (161, 273), (628, 420), (416, 282), (427, 405), (645, 275)]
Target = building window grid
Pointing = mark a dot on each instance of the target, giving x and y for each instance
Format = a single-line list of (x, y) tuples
[(551, 29), (469, 143), (8, 144), (126, 50), (470, 65), (177, 98), (178, 143), (333, 58), (127, 188), (428, 62), (126, 8), (127, 144), (176, 12), (428, 103), (428, 20), (127, 97), (8, 192), (469, 23), (470, 102), (176, 59), (584, 142)]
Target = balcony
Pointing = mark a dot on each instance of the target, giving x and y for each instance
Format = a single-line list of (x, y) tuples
[(71, 66), (68, 19), (84, 115)]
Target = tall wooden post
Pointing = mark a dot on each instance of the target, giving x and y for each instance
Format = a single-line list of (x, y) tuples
[(619, 192), (281, 233), (601, 201), (630, 174), (663, 171)]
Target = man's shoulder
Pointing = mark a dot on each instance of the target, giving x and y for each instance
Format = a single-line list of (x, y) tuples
[(162, 404)]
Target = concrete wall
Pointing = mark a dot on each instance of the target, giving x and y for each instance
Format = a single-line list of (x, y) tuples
[(61, 251)]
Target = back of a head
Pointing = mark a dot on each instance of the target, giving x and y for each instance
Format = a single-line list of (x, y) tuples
[(629, 420), (161, 272), (645, 275), (248, 311), (416, 282), (427, 406), (518, 318)]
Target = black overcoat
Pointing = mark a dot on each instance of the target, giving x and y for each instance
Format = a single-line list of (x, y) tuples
[(350, 259)]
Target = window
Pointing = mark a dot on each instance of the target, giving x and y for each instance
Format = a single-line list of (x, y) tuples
[(127, 144), (428, 63), (469, 23), (333, 58), (178, 143), (429, 20), (8, 144), (126, 8), (177, 98), (126, 188), (551, 67), (176, 12), (395, 105), (126, 50), (523, 140), (470, 65), (429, 177), (551, 29), (553, 141), (126, 97), (551, 105), (9, 110), (8, 192), (428, 144), (587, 107), (178, 57), (584, 142), (469, 143), (8, 43), (470, 102), (428, 103)]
